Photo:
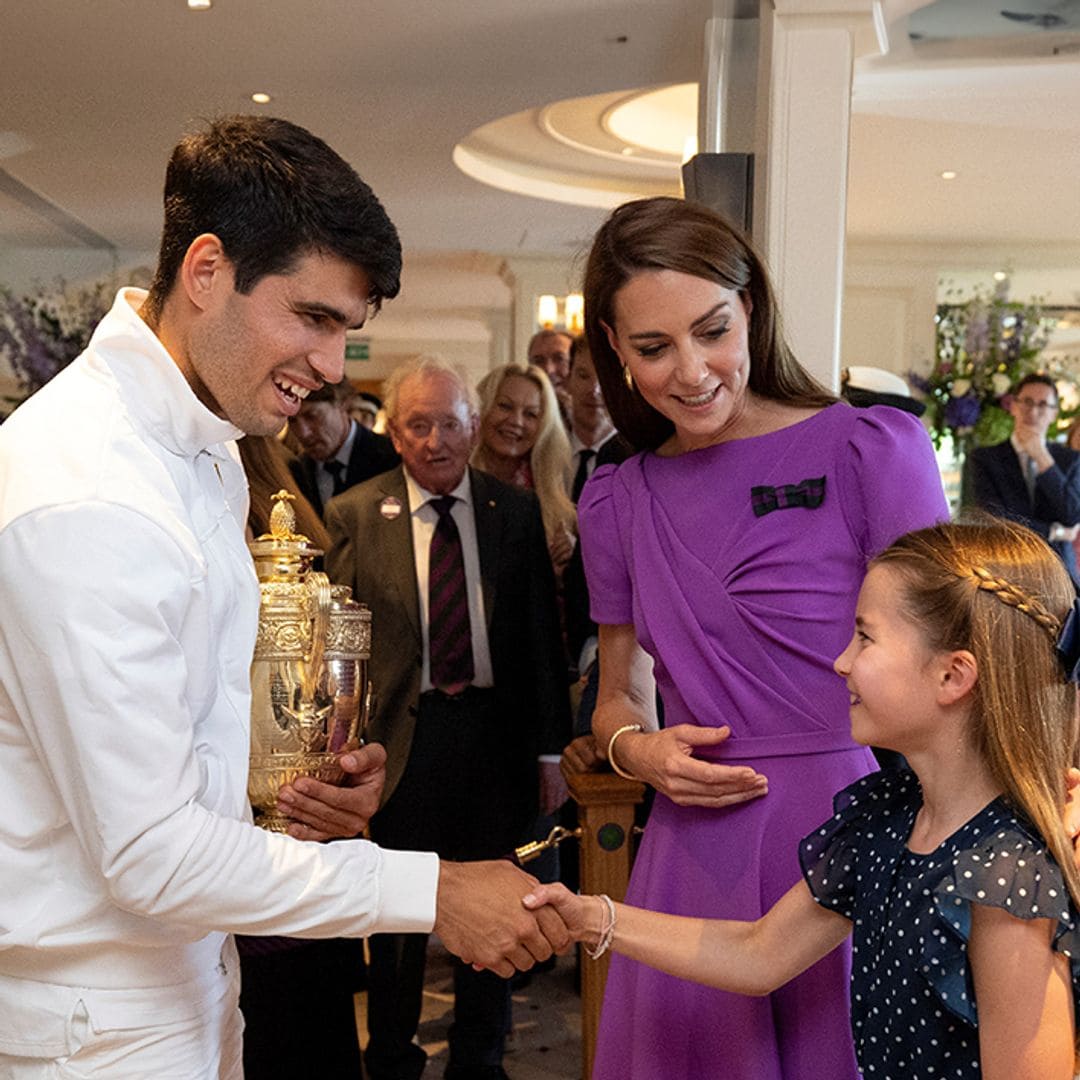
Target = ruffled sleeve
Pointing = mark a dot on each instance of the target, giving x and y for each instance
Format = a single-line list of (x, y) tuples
[(890, 482), (1008, 870), (602, 549), (830, 855)]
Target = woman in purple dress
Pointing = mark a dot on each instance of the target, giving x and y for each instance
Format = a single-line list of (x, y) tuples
[(727, 557)]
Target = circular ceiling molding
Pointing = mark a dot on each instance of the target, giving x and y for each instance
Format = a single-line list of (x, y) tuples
[(662, 121), (588, 151)]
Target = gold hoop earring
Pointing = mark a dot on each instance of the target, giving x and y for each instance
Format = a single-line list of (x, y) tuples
[(628, 378)]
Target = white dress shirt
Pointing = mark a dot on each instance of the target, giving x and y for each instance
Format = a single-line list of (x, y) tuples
[(130, 611), (1028, 467), (424, 517)]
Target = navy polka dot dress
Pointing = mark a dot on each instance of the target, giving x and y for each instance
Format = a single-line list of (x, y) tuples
[(913, 1010)]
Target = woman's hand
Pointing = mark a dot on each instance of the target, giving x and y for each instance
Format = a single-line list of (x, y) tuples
[(580, 755), (584, 915), (664, 760)]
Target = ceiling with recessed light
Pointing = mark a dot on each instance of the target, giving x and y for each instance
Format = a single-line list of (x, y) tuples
[(96, 94)]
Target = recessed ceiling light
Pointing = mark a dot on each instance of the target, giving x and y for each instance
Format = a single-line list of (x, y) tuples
[(948, 174), (199, 5), (1000, 275), (626, 151), (260, 98)]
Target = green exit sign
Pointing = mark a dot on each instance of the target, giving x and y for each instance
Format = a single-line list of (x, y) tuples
[(357, 350)]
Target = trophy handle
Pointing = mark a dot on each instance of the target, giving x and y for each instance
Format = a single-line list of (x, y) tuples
[(364, 716), (319, 591)]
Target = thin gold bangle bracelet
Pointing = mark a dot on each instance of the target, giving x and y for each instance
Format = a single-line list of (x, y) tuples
[(611, 748)]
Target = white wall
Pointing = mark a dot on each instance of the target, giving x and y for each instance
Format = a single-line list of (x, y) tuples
[(892, 290), (458, 305)]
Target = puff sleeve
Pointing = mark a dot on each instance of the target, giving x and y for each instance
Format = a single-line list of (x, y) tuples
[(607, 569), (890, 482)]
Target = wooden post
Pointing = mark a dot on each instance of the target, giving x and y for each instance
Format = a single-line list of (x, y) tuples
[(606, 815)]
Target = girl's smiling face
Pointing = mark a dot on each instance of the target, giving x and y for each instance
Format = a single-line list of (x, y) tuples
[(892, 675)]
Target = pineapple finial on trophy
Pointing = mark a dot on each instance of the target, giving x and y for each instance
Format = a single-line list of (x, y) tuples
[(283, 517)]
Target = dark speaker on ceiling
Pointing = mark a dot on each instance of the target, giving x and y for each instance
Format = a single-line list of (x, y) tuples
[(723, 182)]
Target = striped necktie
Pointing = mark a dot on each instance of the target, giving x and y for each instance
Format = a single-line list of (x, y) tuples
[(449, 633)]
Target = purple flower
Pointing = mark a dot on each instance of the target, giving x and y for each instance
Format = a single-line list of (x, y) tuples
[(919, 382), (39, 335), (962, 412)]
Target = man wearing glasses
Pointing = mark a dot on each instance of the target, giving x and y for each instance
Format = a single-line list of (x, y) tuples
[(1028, 479)]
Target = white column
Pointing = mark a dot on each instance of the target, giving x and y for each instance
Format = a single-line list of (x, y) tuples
[(529, 278), (807, 52)]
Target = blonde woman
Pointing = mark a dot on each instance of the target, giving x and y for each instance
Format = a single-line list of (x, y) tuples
[(523, 443)]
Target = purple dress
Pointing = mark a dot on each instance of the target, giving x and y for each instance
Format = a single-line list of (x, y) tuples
[(740, 581)]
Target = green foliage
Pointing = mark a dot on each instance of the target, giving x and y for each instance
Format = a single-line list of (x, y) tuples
[(983, 347)]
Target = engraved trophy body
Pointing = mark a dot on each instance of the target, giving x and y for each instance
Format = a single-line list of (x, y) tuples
[(310, 690)]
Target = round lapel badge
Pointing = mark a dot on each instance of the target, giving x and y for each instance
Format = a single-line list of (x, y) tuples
[(390, 508)]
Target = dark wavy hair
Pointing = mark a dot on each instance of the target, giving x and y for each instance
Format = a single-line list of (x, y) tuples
[(1036, 378), (272, 193), (669, 234)]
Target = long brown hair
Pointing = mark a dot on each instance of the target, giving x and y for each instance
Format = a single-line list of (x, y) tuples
[(997, 590), (264, 461), (669, 234)]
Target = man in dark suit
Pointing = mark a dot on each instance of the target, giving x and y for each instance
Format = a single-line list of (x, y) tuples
[(550, 350), (593, 442), (338, 452), (470, 683), (1028, 479), (593, 438)]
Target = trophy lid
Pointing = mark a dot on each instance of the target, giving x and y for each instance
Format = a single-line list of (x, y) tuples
[(282, 552)]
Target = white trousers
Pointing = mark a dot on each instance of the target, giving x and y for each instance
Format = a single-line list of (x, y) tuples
[(98, 1035)]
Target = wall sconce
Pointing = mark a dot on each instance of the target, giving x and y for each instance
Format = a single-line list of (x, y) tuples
[(547, 312), (574, 306), (571, 309)]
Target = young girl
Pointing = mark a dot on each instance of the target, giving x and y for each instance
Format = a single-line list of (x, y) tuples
[(954, 877)]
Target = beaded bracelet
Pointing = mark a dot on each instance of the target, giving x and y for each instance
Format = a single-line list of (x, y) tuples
[(607, 934), (611, 747)]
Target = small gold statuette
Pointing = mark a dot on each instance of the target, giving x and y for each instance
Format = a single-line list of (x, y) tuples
[(310, 691)]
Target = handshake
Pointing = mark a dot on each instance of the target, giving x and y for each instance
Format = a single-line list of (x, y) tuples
[(480, 917), (479, 914)]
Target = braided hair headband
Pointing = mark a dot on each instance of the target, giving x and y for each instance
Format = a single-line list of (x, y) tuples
[(1065, 636), (1013, 596)]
